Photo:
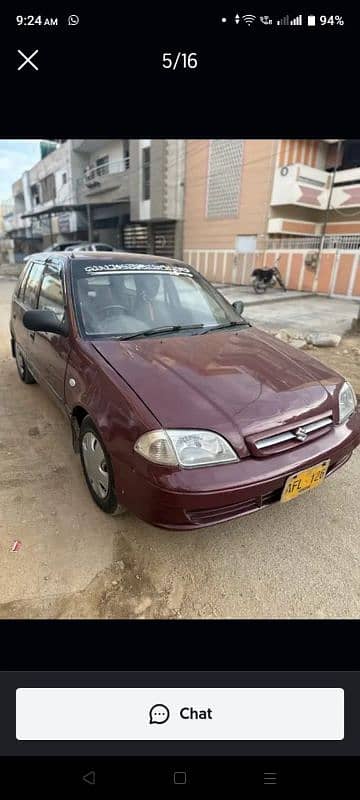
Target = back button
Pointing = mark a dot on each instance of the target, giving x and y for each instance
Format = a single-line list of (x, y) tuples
[(89, 778)]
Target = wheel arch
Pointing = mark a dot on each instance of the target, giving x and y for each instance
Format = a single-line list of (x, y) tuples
[(77, 415)]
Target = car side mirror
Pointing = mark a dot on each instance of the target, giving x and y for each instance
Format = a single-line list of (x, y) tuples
[(45, 321), (238, 306)]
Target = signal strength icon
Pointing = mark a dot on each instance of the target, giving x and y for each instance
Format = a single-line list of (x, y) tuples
[(249, 18), (284, 20), (297, 20)]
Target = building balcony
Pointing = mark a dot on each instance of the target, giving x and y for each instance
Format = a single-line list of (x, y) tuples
[(293, 227), (346, 191), (88, 145), (106, 183), (17, 187), (300, 185), (14, 222)]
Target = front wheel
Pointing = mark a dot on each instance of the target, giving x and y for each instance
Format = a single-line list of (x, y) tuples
[(97, 468), (259, 287)]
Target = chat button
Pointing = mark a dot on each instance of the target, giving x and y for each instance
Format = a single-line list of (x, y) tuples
[(158, 714)]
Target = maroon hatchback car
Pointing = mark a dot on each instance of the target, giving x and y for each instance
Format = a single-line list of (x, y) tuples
[(182, 411)]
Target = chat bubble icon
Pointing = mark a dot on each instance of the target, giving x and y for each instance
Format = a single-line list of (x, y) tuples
[(158, 714)]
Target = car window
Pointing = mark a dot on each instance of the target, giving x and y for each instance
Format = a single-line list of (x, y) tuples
[(119, 302), (104, 247), (51, 297), (32, 284), (22, 280)]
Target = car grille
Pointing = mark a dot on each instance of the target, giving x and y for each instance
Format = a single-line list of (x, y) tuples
[(227, 512), (293, 437)]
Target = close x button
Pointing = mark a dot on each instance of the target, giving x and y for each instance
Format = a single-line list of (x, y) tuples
[(28, 61)]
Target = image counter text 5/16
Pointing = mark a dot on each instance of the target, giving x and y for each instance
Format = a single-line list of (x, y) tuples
[(180, 60)]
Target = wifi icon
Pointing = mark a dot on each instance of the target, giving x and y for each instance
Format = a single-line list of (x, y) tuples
[(249, 18)]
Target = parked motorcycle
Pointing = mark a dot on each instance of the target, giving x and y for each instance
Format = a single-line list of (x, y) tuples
[(266, 277)]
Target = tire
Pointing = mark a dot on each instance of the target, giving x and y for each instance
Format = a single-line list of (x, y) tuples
[(259, 289), (22, 367), (97, 468)]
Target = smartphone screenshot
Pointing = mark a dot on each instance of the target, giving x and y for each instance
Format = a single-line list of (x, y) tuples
[(179, 399)]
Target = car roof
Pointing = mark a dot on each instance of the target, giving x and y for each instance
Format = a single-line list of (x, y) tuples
[(123, 257), (117, 256)]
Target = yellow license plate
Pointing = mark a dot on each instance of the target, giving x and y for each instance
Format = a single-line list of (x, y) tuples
[(303, 481)]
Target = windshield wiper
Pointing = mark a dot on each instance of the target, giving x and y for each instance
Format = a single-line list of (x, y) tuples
[(231, 324), (162, 329)]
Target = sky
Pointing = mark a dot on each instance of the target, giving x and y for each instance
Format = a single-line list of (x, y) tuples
[(16, 155)]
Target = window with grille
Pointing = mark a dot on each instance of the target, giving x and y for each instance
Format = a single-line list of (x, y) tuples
[(224, 177)]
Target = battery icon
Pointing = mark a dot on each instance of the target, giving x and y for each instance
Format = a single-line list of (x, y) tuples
[(311, 20)]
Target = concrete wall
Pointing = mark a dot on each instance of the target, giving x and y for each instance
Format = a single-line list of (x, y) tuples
[(338, 273), (254, 195), (175, 179), (157, 178), (135, 184), (167, 167)]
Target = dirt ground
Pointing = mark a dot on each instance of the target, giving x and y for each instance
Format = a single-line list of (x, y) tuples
[(344, 359), (297, 560)]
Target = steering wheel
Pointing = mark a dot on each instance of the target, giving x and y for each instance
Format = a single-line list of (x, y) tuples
[(109, 309)]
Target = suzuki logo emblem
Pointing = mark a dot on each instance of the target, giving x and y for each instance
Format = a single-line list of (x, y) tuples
[(301, 434)]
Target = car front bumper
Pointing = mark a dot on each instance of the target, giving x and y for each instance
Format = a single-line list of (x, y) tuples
[(197, 498)]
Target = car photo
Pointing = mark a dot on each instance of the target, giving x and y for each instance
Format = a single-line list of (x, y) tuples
[(182, 412)]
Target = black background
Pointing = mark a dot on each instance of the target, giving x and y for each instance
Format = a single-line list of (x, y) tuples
[(104, 78), (180, 644)]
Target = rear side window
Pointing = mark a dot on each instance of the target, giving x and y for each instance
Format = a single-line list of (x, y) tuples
[(51, 297), (32, 284), (22, 280)]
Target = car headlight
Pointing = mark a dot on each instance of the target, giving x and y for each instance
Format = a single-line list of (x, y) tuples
[(185, 448), (347, 401)]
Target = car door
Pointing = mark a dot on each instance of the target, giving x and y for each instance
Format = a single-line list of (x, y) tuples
[(24, 299), (50, 351)]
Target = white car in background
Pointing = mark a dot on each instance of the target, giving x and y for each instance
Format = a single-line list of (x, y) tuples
[(96, 247), (57, 248)]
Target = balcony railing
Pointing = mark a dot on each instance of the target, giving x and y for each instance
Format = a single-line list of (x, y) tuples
[(93, 175), (349, 242)]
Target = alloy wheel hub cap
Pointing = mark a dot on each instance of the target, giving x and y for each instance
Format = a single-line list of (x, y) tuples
[(95, 465)]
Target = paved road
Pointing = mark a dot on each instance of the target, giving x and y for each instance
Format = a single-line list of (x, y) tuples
[(304, 313), (297, 560)]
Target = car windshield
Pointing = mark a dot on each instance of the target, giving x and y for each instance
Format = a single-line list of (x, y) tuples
[(120, 300)]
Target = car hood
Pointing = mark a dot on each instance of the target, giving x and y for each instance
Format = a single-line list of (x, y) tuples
[(236, 383)]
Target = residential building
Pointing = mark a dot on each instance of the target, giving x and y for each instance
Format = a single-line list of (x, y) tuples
[(6, 244), (142, 177), (127, 193), (45, 204), (248, 202)]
